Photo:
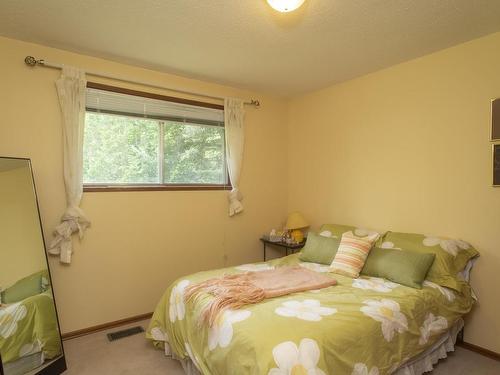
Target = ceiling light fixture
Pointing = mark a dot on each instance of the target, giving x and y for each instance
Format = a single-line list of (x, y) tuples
[(285, 5)]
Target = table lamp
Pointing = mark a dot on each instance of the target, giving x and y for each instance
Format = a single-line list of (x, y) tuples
[(294, 224)]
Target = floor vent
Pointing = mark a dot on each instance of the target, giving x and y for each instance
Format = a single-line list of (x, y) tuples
[(124, 333)]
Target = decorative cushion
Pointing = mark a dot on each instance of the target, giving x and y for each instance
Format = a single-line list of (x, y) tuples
[(352, 253), (403, 267), (319, 249), (337, 230), (451, 255), (24, 288)]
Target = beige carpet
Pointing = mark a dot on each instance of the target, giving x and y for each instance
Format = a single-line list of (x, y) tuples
[(95, 355)]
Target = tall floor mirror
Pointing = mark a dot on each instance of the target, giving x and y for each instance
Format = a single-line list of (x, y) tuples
[(30, 340)]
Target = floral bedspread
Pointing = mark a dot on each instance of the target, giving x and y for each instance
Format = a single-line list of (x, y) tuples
[(364, 326), (28, 327)]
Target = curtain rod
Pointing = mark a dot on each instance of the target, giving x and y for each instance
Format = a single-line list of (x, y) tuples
[(31, 61)]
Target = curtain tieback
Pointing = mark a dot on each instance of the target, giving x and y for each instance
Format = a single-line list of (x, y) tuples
[(73, 220)]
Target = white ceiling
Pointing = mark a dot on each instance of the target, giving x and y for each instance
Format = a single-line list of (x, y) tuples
[(245, 43)]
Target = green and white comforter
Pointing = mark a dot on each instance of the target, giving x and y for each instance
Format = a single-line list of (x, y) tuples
[(28, 327), (360, 326)]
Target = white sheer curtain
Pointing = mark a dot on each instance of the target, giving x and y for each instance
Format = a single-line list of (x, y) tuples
[(234, 114), (71, 88)]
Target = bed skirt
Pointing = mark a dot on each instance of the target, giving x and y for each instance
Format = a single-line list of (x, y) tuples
[(425, 362), (24, 365), (418, 365)]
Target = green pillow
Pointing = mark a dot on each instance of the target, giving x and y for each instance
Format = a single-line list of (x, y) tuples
[(337, 230), (403, 267), (451, 255), (319, 249), (24, 288)]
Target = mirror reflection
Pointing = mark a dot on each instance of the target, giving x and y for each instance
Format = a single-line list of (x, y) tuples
[(29, 333)]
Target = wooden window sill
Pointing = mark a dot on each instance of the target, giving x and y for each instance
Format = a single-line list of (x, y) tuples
[(171, 187)]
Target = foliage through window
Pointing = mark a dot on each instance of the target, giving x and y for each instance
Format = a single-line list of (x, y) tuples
[(122, 147)]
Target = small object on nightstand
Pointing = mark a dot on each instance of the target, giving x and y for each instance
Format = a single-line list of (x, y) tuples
[(275, 236), (294, 224), (289, 247), (288, 239)]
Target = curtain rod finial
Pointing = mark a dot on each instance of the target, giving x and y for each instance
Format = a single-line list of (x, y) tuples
[(255, 103), (31, 61)]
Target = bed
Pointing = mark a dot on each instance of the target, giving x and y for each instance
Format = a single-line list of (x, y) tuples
[(28, 333), (363, 326)]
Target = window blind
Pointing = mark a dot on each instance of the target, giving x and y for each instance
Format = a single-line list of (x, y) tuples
[(104, 101)]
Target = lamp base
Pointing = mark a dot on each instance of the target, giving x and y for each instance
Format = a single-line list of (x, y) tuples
[(297, 235)]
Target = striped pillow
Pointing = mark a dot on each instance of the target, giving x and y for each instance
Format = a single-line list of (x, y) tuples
[(352, 253)]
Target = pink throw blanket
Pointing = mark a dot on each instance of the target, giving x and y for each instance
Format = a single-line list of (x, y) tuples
[(235, 291)]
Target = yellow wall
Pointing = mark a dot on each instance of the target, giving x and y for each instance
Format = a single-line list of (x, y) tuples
[(21, 243), (139, 241), (407, 148)]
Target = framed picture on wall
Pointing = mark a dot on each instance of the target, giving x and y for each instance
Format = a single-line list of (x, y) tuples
[(495, 119), (496, 165)]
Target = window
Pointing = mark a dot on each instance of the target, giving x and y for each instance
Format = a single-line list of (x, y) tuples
[(143, 141)]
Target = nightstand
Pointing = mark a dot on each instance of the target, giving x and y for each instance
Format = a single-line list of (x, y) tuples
[(292, 248)]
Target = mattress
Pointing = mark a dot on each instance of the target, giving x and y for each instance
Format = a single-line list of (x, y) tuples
[(359, 326)]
